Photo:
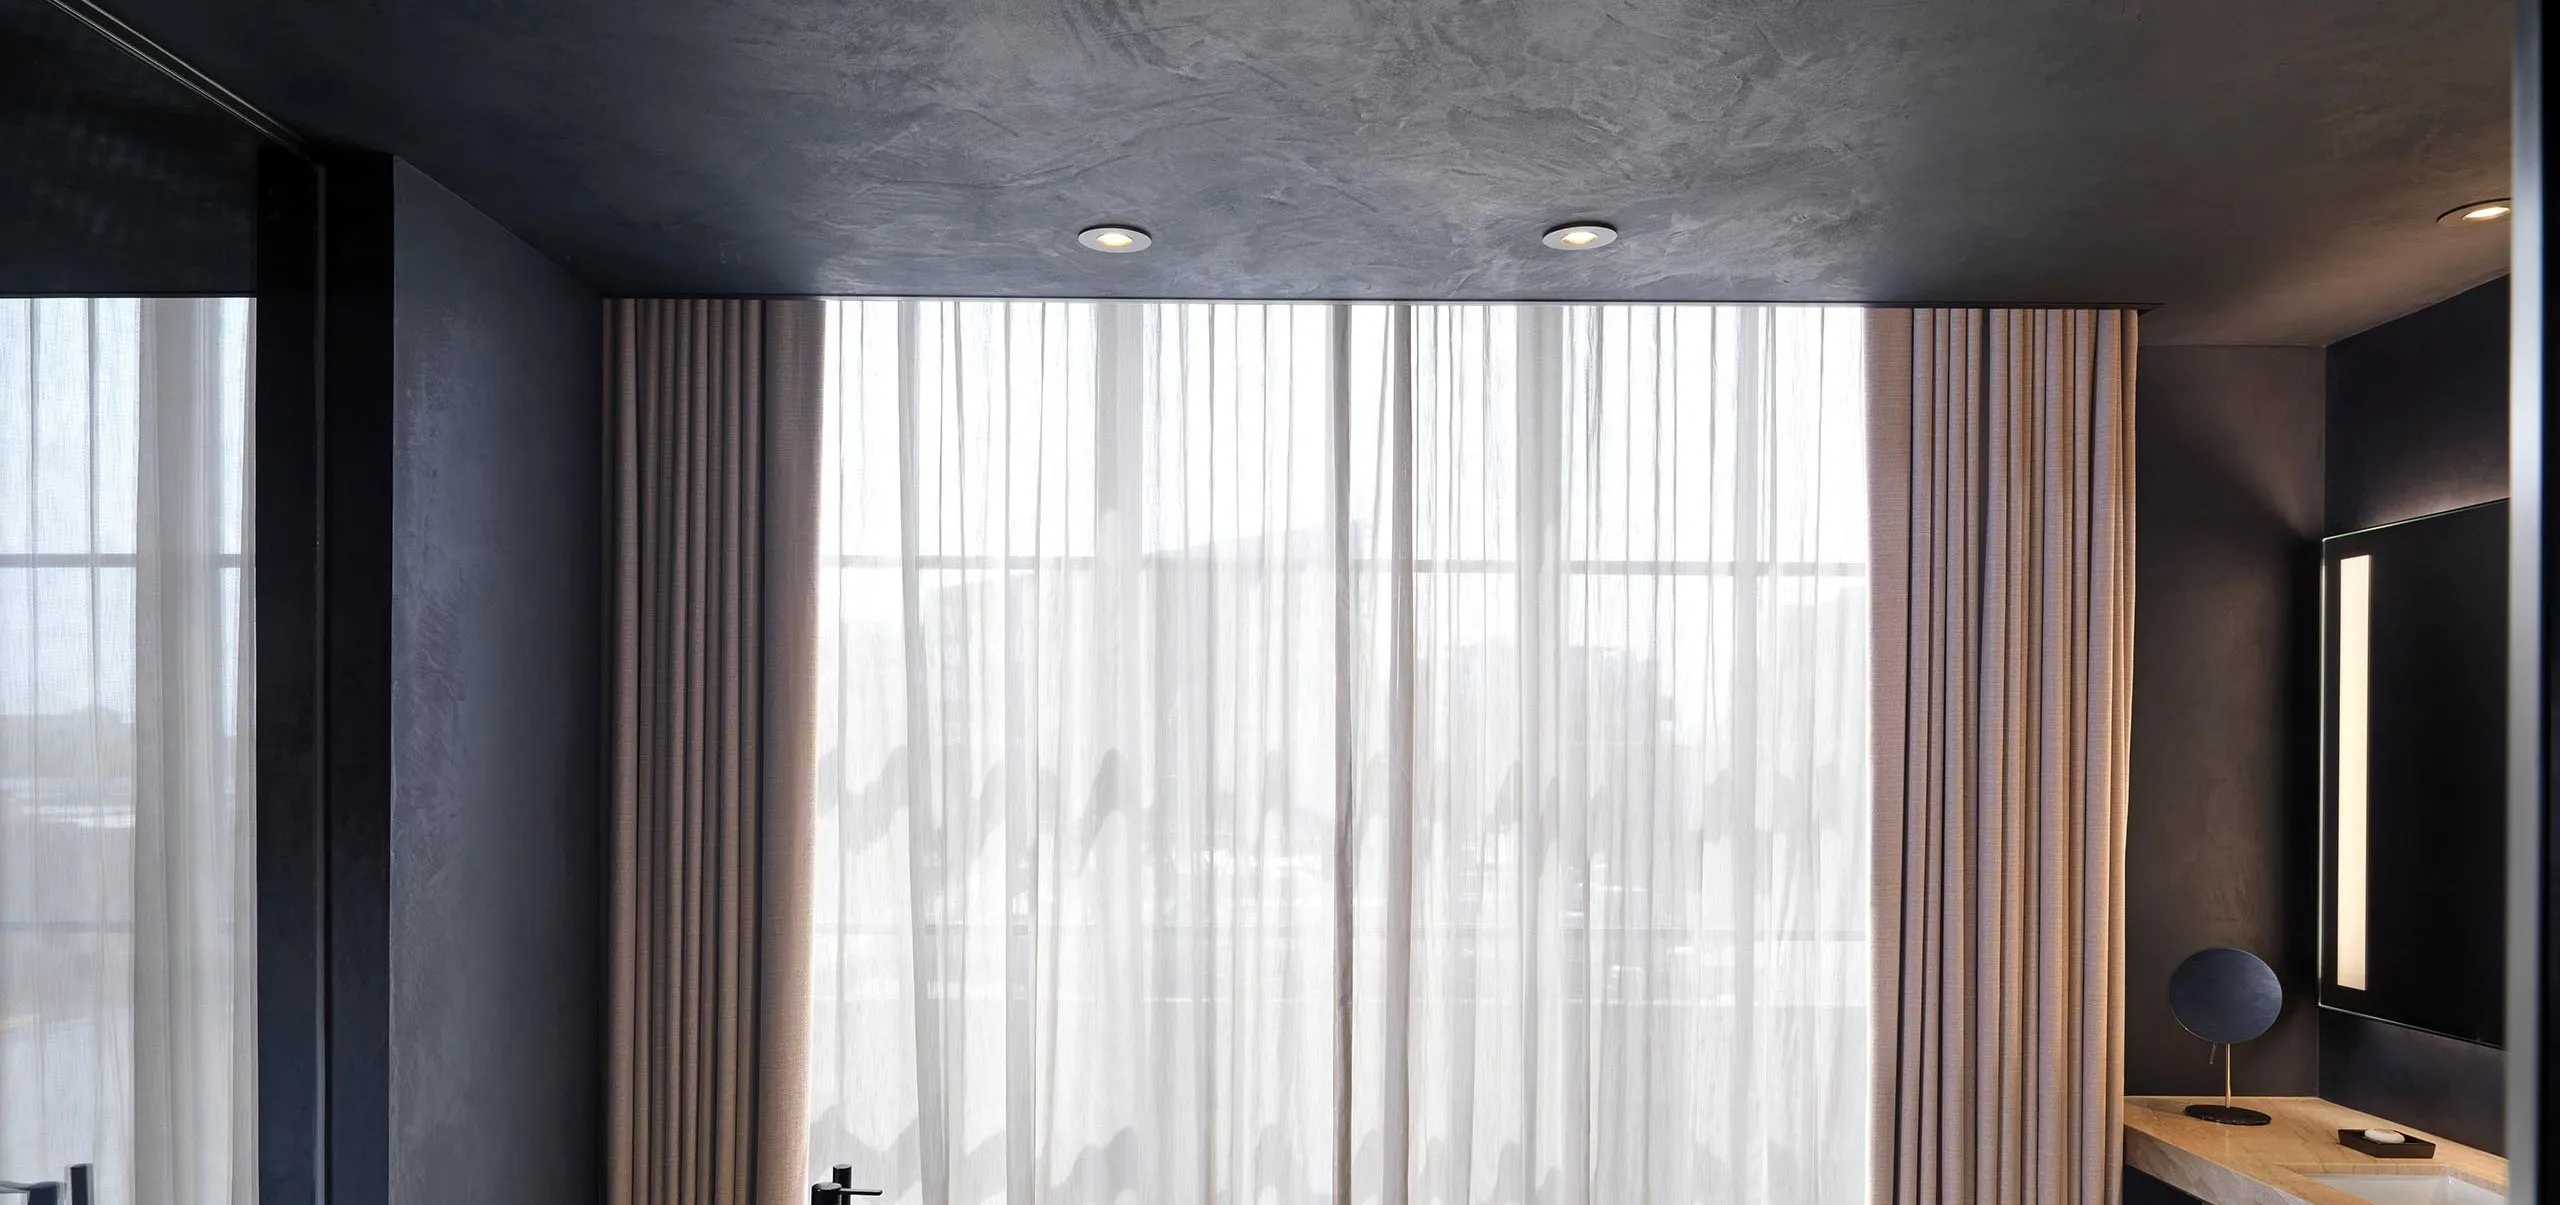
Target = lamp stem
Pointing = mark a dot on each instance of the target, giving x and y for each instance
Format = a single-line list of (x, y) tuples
[(2226, 1075)]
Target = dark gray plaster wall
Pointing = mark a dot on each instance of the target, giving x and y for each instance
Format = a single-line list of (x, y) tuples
[(2440, 1085), (2220, 842), (497, 923), (2418, 413), (2247, 456), (2417, 423)]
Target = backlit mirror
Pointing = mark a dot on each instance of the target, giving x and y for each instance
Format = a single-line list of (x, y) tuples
[(2413, 752)]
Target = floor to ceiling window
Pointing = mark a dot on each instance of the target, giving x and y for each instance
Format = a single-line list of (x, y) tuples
[(1343, 753), (126, 968)]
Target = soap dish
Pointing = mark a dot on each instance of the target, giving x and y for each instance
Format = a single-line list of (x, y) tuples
[(2414, 1148)]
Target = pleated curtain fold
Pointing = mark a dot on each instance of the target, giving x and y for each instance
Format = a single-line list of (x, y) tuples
[(714, 419), (2002, 494)]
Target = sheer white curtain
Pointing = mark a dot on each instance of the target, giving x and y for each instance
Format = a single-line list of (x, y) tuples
[(126, 747), (1318, 753)]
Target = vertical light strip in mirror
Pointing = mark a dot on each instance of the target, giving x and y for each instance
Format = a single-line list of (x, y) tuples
[(2355, 673)]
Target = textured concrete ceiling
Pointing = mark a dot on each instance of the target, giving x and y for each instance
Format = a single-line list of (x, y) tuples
[(2265, 171)]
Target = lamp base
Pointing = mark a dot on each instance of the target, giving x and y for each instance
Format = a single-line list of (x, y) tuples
[(2229, 1115)]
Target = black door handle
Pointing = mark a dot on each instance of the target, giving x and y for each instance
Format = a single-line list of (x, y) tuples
[(840, 1190), (49, 1192)]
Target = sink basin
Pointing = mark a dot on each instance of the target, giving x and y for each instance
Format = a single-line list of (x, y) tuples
[(2432, 1188)]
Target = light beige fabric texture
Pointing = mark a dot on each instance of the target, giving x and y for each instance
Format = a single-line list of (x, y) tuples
[(713, 409), (2002, 495)]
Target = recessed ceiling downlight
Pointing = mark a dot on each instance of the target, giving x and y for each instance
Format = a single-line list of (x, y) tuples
[(2477, 213), (1115, 240), (1581, 236)]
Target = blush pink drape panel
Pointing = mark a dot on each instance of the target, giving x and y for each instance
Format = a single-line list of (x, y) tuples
[(714, 414), (2002, 494)]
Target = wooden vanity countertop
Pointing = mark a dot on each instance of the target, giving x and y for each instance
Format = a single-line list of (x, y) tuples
[(2269, 1164)]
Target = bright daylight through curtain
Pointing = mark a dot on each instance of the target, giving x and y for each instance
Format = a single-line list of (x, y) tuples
[(127, 1005), (1379, 753)]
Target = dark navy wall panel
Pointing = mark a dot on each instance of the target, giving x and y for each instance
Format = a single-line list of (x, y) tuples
[(497, 924)]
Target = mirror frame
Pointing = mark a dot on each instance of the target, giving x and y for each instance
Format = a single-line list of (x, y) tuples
[(2329, 995)]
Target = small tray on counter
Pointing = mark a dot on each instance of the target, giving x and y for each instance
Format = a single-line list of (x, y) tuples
[(2413, 1147)]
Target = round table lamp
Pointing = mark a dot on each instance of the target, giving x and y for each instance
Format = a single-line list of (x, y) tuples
[(2226, 997)]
